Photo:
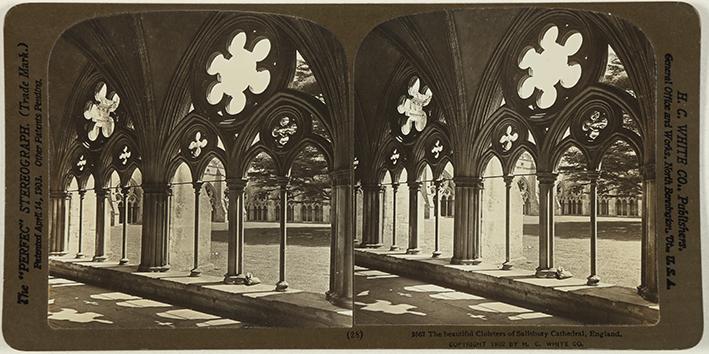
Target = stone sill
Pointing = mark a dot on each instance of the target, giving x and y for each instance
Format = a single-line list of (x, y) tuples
[(258, 304), (571, 298)]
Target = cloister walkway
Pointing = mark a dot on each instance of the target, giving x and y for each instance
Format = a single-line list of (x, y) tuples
[(73, 304), (385, 298)]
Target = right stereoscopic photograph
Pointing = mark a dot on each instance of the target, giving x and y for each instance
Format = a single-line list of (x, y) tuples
[(505, 170)]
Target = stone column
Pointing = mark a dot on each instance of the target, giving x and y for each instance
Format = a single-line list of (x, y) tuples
[(467, 215), (382, 212), (546, 225), (124, 234), (355, 191), (282, 284), (101, 225), (394, 189), (235, 257), (436, 212), (58, 226), (156, 208), (648, 288), (415, 218), (593, 278), (371, 236), (82, 195), (508, 185), (341, 247), (197, 185)]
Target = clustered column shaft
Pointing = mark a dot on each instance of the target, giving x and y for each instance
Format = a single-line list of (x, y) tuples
[(282, 284), (508, 185), (124, 234), (197, 185)]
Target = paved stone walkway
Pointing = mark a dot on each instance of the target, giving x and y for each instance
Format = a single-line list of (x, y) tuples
[(382, 298), (77, 305)]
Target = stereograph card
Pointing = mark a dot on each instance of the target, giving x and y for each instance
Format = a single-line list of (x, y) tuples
[(240, 176)]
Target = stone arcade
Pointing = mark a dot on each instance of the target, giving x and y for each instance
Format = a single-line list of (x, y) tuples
[(161, 113), (489, 103)]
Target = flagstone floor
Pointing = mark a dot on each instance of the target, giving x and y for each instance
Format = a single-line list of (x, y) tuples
[(77, 305), (382, 298)]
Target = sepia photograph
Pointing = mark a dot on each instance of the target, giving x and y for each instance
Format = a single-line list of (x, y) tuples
[(505, 170), (376, 176), (199, 160)]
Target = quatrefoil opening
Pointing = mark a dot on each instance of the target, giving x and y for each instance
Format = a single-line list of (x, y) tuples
[(508, 138), (550, 66), (125, 155), (99, 112), (238, 73), (284, 130), (594, 124), (394, 158), (412, 105), (437, 149), (197, 144), (81, 163)]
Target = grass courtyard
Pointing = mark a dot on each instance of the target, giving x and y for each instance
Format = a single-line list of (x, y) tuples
[(618, 246), (307, 253)]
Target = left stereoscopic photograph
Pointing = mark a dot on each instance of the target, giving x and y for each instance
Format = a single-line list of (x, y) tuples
[(198, 162)]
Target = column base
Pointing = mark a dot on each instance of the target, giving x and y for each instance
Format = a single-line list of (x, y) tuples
[(79, 255), (458, 261), (58, 254), (238, 279), (413, 250), (436, 254), (394, 248), (162, 268), (339, 301), (507, 266), (371, 245), (593, 280), (99, 259), (123, 261), (546, 273), (647, 294), (195, 272), (282, 286)]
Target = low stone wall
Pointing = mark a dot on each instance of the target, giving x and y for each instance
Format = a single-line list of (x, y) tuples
[(257, 304), (604, 304)]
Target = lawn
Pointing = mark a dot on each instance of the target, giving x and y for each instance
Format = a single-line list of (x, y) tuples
[(618, 246), (307, 253)]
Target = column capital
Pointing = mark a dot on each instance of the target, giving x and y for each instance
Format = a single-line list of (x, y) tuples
[(156, 188), (546, 177), (370, 187), (341, 177), (82, 193), (593, 176), (101, 192), (125, 190), (238, 183), (357, 188), (197, 185), (394, 187), (467, 181), (283, 181), (58, 194), (414, 185), (508, 180), (648, 170)]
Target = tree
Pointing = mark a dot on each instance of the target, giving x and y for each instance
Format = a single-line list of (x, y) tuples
[(309, 181), (620, 174)]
